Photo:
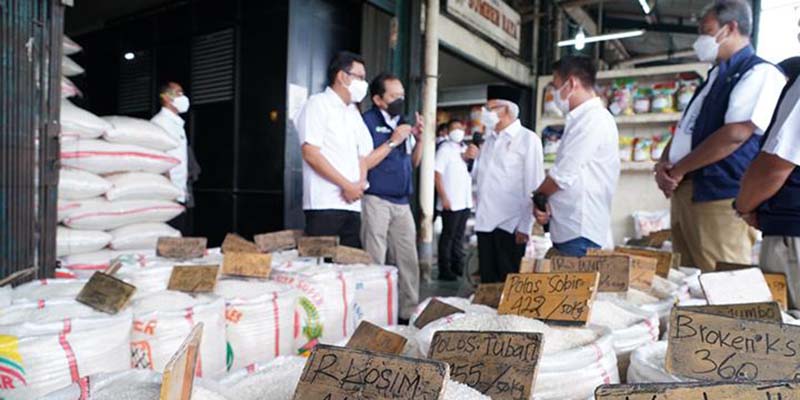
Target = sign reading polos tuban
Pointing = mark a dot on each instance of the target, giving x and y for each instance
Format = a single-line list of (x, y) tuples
[(493, 18)]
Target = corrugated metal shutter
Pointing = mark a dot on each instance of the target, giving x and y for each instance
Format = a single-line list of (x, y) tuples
[(213, 67), (136, 83)]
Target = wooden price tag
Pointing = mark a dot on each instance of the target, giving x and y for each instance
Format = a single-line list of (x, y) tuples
[(769, 311), (337, 373), (179, 373), (181, 248), (317, 246), (665, 258), (734, 287), (434, 310), (775, 281), (501, 365), (277, 241), (106, 293), (711, 347), (234, 243), (527, 265), (550, 296), (351, 255), (643, 269), (17, 276), (254, 265), (193, 278), (764, 390), (371, 337), (488, 294), (615, 271)]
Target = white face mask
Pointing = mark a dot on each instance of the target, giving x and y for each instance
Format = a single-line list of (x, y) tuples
[(358, 89), (489, 118), (562, 103), (181, 103), (706, 47), (457, 135)]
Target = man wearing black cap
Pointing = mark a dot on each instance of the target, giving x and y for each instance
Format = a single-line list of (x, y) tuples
[(508, 168)]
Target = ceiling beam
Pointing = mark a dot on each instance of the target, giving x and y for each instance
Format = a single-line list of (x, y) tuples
[(590, 27), (630, 24)]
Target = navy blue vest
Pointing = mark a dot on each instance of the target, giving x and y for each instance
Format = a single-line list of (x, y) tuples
[(721, 180), (780, 214), (390, 180)]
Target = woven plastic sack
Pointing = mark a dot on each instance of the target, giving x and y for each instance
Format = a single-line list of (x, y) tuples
[(75, 184), (141, 236), (77, 123), (67, 207), (70, 47), (74, 241), (260, 320), (162, 321), (102, 157), (630, 327), (70, 67), (133, 384), (115, 214), (275, 380), (6, 295), (140, 132), (376, 293), (84, 265), (48, 346), (647, 365), (141, 186), (68, 88), (44, 290)]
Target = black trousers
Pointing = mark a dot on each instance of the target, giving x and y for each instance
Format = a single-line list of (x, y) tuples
[(345, 224), (451, 241), (498, 255)]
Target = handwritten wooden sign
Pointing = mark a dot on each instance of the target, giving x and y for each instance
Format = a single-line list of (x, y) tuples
[(17, 276), (317, 246), (643, 269), (769, 311), (277, 241), (351, 255), (178, 378), (106, 293), (527, 265), (254, 265), (434, 310), (488, 294), (555, 296), (711, 347), (234, 243), (665, 258), (615, 271), (181, 248), (371, 337), (193, 278), (501, 365), (336, 373), (764, 390), (734, 287), (775, 281)]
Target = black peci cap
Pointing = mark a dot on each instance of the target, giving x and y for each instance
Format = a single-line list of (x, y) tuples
[(503, 92)]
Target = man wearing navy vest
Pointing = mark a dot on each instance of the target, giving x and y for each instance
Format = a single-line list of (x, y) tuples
[(388, 229), (717, 138), (770, 195)]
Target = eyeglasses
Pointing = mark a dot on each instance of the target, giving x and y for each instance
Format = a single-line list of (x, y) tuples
[(360, 77)]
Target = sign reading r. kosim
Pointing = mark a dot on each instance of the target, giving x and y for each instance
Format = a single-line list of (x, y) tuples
[(493, 18)]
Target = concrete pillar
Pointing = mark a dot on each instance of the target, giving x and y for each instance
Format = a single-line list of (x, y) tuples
[(426, 192)]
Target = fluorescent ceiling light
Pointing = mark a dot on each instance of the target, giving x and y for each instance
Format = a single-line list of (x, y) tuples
[(129, 56), (600, 38), (645, 6), (580, 40)]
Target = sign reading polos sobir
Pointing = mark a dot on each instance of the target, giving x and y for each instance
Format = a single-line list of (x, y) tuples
[(493, 18)]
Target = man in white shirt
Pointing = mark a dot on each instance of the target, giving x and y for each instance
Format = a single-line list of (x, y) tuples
[(717, 138), (581, 184), (454, 190), (335, 143), (509, 166)]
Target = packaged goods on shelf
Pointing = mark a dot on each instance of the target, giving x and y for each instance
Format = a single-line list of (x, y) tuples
[(70, 67), (642, 148), (161, 322), (140, 236), (141, 186), (626, 148), (77, 123), (47, 290), (260, 320), (74, 241), (551, 140), (70, 47), (550, 108), (74, 184), (659, 145), (133, 384), (641, 100), (140, 132), (102, 157), (115, 214), (49, 346)]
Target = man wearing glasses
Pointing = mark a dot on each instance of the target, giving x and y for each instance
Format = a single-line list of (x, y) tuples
[(335, 143)]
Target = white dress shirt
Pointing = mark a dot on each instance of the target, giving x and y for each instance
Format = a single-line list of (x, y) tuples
[(339, 131), (586, 171), (752, 99), (456, 178), (509, 168), (173, 124), (784, 140)]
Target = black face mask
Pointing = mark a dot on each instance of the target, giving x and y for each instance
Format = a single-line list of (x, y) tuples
[(396, 107)]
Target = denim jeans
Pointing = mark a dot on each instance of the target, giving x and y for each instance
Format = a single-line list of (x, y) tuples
[(575, 247)]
